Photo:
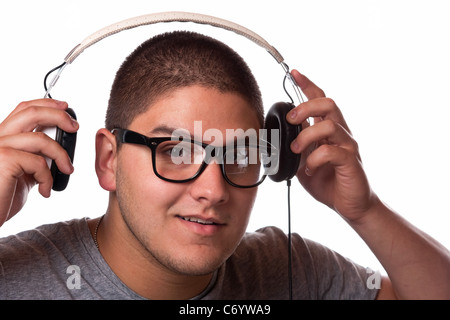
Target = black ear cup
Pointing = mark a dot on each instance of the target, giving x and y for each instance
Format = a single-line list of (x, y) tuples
[(67, 141), (283, 162)]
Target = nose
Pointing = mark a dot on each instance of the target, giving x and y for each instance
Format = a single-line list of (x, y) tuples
[(210, 187)]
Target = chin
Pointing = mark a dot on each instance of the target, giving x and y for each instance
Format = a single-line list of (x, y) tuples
[(198, 263)]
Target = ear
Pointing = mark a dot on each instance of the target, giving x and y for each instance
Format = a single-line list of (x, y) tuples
[(105, 159)]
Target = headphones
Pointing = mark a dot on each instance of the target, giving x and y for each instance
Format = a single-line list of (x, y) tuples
[(287, 161)]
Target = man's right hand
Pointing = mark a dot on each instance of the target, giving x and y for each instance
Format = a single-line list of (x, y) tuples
[(23, 149)]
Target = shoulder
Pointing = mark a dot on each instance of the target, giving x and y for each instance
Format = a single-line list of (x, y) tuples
[(261, 262), (262, 242), (274, 242), (264, 235), (42, 244), (41, 238), (34, 263), (258, 269)]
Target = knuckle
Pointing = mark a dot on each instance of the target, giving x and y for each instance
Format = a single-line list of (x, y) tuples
[(330, 126), (319, 92), (22, 105), (33, 111), (44, 139), (29, 114), (44, 142), (41, 135), (330, 103), (5, 154), (355, 145), (326, 151), (355, 149), (41, 162)]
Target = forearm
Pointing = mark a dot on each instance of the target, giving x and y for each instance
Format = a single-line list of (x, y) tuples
[(418, 266)]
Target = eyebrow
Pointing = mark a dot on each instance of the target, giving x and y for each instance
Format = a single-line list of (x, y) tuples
[(163, 129)]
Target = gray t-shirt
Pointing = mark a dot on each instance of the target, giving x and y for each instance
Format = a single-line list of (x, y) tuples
[(61, 261)]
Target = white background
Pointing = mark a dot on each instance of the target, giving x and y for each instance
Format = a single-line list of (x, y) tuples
[(385, 63)]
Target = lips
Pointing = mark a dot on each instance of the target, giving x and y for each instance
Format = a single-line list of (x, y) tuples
[(198, 220), (201, 225)]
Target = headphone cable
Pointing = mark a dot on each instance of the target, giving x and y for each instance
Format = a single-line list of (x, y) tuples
[(289, 240), (60, 68)]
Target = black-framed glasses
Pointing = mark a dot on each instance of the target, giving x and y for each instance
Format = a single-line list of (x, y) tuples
[(183, 160)]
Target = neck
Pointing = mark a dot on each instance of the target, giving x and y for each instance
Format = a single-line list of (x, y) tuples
[(137, 268)]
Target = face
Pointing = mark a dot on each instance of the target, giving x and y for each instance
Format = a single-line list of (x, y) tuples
[(164, 216)]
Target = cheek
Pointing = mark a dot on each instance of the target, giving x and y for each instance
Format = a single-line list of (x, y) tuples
[(241, 204), (139, 191), (144, 201)]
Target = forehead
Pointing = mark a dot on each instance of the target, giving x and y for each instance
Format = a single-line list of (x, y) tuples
[(197, 109)]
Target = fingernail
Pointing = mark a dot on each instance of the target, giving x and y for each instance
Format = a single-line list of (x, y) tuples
[(295, 146), (71, 167), (61, 103), (47, 193), (293, 114), (74, 122)]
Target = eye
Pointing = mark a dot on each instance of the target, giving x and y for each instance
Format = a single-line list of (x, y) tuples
[(178, 151), (182, 152), (241, 157), (171, 149)]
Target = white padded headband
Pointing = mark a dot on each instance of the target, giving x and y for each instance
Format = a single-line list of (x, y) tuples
[(171, 17)]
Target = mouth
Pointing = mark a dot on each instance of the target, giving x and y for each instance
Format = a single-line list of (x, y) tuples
[(201, 226), (198, 220)]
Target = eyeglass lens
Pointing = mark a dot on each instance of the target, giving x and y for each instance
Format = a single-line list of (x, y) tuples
[(181, 160)]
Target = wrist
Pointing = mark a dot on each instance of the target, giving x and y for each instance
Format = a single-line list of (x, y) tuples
[(368, 214)]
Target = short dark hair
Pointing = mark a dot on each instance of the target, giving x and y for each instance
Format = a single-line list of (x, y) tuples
[(174, 60)]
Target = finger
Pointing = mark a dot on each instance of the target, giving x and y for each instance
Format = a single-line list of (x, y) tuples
[(50, 103), (15, 163), (30, 118), (326, 131), (39, 143), (328, 155), (307, 86), (320, 109)]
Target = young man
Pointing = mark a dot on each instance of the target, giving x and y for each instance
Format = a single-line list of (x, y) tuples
[(178, 232)]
